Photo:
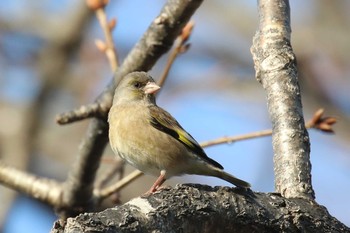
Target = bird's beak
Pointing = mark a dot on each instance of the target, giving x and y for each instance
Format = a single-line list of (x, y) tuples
[(151, 88)]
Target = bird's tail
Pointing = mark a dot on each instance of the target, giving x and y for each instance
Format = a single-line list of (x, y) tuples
[(230, 178)]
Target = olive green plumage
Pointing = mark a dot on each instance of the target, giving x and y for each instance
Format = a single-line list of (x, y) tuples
[(151, 140)]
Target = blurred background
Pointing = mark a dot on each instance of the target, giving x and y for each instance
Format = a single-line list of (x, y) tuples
[(49, 64)]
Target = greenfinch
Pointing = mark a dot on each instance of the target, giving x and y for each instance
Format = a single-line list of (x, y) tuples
[(150, 139)]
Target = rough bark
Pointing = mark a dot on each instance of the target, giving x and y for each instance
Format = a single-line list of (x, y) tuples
[(199, 208), (275, 66)]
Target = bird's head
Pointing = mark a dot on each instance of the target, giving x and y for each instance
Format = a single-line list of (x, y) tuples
[(136, 86)]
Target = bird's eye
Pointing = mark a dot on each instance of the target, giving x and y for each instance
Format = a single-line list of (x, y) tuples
[(137, 84)]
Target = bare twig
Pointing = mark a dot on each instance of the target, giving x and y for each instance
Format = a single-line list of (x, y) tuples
[(110, 48), (318, 122), (180, 47), (98, 109), (235, 138), (116, 167), (102, 194), (80, 113)]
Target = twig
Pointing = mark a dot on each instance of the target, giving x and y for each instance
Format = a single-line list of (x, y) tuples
[(99, 108), (180, 47), (108, 47), (104, 193), (80, 113), (318, 122), (116, 167), (232, 139)]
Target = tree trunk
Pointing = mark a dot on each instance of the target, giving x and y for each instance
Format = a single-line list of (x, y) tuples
[(275, 66)]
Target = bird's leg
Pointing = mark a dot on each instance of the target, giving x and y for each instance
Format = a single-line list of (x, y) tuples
[(160, 180)]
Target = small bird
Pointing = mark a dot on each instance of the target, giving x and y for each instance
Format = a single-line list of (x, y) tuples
[(150, 139)]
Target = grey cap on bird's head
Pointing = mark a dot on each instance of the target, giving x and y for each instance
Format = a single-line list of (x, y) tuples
[(138, 74)]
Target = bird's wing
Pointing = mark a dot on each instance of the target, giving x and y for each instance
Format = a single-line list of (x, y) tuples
[(163, 121)]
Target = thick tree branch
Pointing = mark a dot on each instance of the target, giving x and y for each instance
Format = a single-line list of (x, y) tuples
[(198, 208), (275, 65), (155, 42)]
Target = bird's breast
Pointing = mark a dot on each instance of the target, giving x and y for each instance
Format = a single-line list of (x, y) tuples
[(134, 139)]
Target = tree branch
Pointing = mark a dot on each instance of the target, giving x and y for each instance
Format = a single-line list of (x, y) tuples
[(110, 50), (45, 190), (318, 122), (180, 47), (275, 65), (199, 208)]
